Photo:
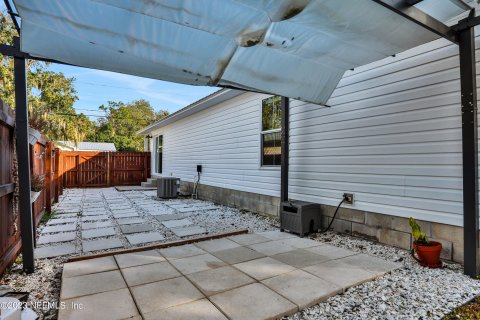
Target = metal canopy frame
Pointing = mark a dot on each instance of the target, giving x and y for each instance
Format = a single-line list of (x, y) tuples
[(461, 34)]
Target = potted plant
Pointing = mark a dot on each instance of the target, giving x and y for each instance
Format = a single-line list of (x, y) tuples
[(428, 252)]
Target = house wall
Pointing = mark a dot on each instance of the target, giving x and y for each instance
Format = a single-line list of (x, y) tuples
[(392, 136)]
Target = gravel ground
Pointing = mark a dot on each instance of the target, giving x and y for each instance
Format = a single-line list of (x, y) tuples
[(410, 292)]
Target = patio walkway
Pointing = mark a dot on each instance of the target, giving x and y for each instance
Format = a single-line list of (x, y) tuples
[(91, 220), (251, 276)]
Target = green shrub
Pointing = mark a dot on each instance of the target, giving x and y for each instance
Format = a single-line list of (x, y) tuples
[(417, 233)]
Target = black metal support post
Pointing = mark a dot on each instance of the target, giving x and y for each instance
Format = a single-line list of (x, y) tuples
[(285, 149), (23, 156), (469, 148)]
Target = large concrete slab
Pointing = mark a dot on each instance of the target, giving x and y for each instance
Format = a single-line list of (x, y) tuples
[(197, 263), (54, 250), (188, 231), (138, 258), (331, 252), (202, 309), (253, 302), (249, 238), (263, 268), (217, 245), (180, 252), (56, 237), (341, 274), (102, 244), (300, 258), (91, 283), (237, 255), (277, 235), (88, 266), (370, 263), (272, 247), (302, 288), (217, 280), (140, 238), (163, 294), (116, 304), (147, 273)]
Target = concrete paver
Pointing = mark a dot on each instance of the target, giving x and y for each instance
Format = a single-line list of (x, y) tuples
[(342, 274), (180, 252), (254, 301), (263, 268), (60, 228), (54, 250), (116, 304), (217, 280), (177, 223), (139, 238), (97, 233), (149, 273), (96, 225), (138, 258), (217, 245), (135, 228), (197, 263), (102, 244), (91, 283), (237, 255), (302, 288), (188, 231), (83, 267), (58, 237), (163, 294), (202, 309)]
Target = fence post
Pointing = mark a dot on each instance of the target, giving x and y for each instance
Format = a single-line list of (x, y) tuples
[(48, 177), (23, 156), (79, 173), (55, 174), (108, 170)]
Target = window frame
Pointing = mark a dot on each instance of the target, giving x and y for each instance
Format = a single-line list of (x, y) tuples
[(158, 155), (263, 133)]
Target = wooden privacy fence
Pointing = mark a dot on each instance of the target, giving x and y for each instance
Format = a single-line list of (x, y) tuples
[(9, 219), (81, 169)]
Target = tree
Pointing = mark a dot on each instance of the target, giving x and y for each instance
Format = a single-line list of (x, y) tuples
[(123, 121), (51, 95)]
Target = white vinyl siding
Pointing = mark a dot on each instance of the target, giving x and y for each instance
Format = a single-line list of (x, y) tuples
[(392, 136)]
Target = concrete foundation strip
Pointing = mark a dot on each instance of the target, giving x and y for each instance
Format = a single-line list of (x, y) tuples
[(160, 245)]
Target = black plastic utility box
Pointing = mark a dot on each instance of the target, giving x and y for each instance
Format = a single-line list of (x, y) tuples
[(300, 217)]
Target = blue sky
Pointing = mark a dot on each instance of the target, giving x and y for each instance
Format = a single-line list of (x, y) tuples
[(95, 87)]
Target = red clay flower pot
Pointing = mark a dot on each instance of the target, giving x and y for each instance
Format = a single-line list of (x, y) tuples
[(428, 255)]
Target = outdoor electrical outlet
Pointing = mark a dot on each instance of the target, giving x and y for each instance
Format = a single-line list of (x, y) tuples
[(348, 198)]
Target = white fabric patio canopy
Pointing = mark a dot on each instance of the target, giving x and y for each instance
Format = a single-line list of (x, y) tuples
[(294, 48)]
